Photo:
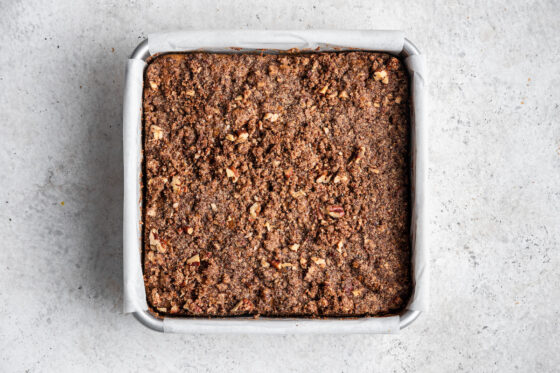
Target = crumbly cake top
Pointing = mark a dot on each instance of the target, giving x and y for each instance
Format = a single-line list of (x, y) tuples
[(276, 185)]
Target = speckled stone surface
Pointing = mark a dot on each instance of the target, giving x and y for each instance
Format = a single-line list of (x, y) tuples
[(494, 183)]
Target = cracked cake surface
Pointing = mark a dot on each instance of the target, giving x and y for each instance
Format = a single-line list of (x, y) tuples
[(276, 185)]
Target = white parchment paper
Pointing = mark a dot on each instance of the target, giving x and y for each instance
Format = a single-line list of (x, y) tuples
[(134, 291), (242, 41), (384, 325), (225, 40), (420, 297)]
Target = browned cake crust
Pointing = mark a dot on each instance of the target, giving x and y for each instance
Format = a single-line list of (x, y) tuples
[(276, 185)]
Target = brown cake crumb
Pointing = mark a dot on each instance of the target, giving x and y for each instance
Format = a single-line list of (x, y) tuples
[(276, 185)]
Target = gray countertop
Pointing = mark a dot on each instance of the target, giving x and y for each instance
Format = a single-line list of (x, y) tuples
[(494, 189)]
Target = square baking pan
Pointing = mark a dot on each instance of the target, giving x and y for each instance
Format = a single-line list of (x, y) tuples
[(392, 42)]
